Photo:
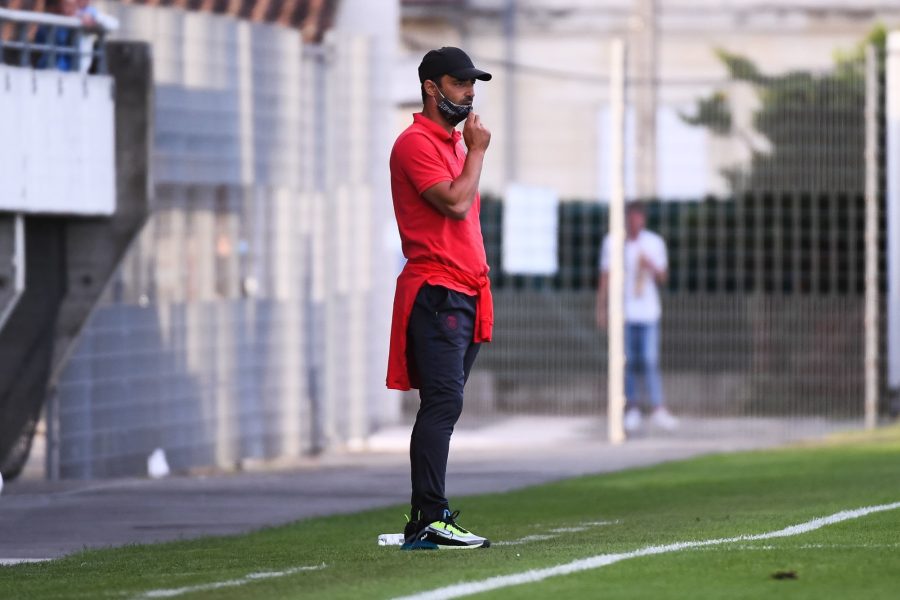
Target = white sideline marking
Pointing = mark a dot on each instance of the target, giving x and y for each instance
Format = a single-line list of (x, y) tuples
[(8, 562), (554, 533), (538, 537), (804, 547), (601, 560), (171, 593), (845, 546)]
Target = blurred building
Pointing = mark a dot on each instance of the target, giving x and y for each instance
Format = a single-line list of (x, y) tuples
[(249, 319), (312, 17), (548, 103)]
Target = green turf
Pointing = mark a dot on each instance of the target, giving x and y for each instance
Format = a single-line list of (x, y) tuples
[(711, 497)]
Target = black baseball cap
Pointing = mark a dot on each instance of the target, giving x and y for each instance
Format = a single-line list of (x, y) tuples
[(449, 61)]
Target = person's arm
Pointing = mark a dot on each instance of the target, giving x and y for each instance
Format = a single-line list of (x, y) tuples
[(657, 262), (660, 274), (602, 299), (453, 199), (107, 22), (95, 21)]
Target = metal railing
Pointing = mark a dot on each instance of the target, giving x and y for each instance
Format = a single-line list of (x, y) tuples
[(20, 49)]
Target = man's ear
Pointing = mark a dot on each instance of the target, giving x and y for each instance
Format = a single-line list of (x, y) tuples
[(430, 88)]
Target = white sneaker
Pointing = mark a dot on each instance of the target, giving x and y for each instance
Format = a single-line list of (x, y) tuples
[(663, 419), (632, 420)]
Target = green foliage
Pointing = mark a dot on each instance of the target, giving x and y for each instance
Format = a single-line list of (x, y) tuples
[(813, 122), (712, 112)]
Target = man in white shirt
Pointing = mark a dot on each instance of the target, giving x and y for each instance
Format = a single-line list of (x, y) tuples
[(646, 264)]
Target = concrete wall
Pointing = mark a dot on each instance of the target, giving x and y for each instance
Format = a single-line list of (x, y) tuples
[(53, 268), (238, 326)]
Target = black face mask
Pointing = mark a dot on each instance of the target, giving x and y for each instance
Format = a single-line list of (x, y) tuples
[(454, 113)]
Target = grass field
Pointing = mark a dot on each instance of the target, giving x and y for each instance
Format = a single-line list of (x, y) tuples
[(703, 499)]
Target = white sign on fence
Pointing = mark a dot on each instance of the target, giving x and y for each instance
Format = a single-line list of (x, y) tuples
[(530, 230)]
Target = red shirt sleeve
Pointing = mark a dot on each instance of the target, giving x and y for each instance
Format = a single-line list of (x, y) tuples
[(421, 162)]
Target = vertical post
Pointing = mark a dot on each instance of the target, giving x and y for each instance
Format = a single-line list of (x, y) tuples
[(52, 456), (321, 310), (17, 264), (892, 107), (645, 51), (510, 96), (870, 320), (24, 44), (76, 54), (51, 50), (616, 338), (19, 235), (99, 53)]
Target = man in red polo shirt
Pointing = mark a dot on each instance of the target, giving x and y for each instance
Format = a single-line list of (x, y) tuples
[(442, 307)]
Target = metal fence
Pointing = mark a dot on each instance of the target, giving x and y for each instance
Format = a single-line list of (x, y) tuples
[(770, 243), (763, 310), (37, 39), (764, 306)]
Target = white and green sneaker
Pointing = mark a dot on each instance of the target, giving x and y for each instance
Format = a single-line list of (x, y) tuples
[(443, 534)]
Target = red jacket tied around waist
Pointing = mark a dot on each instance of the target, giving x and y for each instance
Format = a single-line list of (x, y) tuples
[(415, 274)]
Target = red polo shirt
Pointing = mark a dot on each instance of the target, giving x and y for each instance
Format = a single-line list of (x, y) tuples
[(439, 250)]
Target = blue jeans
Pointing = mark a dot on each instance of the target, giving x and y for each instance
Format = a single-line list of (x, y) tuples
[(642, 358)]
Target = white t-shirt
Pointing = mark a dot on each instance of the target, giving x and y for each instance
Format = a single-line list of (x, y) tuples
[(641, 294)]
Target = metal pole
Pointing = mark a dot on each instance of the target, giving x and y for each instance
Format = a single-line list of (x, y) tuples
[(321, 309), (52, 457), (510, 101), (76, 55), (25, 47), (18, 266), (892, 107), (616, 338), (871, 240), (51, 52), (645, 97), (100, 54)]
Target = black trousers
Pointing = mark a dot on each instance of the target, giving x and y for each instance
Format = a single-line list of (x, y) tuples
[(440, 355)]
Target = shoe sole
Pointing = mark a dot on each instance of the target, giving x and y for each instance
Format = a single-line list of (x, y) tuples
[(427, 545), (484, 544), (419, 545)]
